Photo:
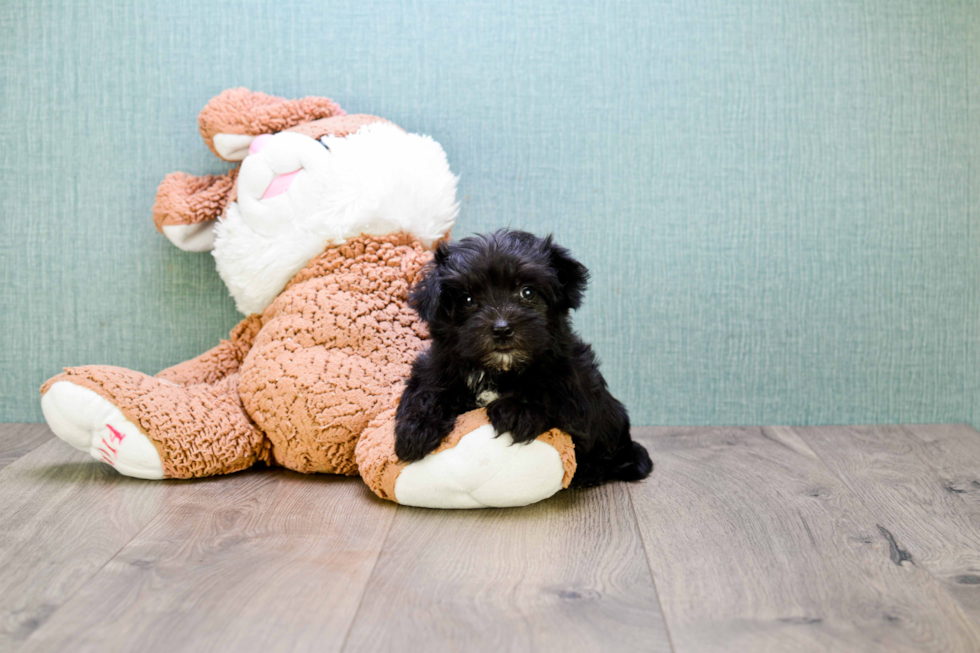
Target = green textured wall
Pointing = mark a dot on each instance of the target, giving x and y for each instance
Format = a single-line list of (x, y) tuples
[(777, 199)]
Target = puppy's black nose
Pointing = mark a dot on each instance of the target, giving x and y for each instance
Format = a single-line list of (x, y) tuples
[(501, 330)]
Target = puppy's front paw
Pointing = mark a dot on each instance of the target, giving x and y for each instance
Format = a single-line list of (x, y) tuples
[(415, 440), (524, 421)]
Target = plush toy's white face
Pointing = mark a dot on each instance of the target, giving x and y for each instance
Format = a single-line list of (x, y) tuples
[(297, 195)]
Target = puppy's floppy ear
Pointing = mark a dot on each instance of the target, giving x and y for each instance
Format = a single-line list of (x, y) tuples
[(573, 277), (427, 292)]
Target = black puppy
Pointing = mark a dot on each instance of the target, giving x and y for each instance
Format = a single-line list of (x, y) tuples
[(497, 308)]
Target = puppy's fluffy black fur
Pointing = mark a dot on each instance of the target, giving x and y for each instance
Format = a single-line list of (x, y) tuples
[(497, 307)]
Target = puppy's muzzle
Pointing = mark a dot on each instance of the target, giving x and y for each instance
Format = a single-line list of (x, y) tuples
[(502, 331)]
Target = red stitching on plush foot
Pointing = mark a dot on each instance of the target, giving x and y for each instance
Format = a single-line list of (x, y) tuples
[(116, 435)]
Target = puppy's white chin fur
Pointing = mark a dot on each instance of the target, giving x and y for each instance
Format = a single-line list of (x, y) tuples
[(377, 181), (505, 361)]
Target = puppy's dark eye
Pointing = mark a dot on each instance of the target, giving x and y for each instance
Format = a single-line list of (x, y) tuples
[(527, 292), (469, 302)]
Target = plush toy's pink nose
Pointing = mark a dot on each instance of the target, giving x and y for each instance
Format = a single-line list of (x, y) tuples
[(258, 143)]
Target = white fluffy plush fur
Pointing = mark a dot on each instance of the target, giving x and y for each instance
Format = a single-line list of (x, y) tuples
[(377, 181)]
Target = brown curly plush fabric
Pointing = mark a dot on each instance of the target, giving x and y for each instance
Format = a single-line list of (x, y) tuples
[(333, 351), (186, 199), (375, 455), (380, 467), (241, 111)]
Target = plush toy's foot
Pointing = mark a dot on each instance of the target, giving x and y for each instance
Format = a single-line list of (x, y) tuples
[(482, 470), (473, 468), (90, 423), (193, 430)]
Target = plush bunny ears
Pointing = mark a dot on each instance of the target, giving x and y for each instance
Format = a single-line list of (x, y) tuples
[(232, 119)]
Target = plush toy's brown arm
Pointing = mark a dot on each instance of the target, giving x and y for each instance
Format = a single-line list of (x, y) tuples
[(218, 362), (239, 111), (186, 199)]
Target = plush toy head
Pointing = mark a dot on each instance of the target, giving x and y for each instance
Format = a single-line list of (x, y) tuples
[(314, 183)]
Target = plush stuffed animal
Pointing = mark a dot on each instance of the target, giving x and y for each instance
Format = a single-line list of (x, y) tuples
[(318, 235)]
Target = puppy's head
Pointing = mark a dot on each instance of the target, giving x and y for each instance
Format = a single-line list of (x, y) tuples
[(499, 300)]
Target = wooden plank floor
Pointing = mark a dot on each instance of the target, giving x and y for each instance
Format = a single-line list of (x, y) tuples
[(743, 539)]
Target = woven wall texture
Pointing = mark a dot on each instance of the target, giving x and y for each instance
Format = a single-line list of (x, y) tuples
[(778, 200)]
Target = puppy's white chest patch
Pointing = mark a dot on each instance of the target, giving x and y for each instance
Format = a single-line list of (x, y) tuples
[(483, 389), (485, 398)]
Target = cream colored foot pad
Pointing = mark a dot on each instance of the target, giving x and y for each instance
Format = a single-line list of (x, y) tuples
[(89, 422), (482, 471)]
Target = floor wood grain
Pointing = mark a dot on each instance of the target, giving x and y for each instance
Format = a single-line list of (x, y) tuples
[(17, 440), (924, 482), (63, 517), (755, 545), (259, 561), (743, 539), (567, 574)]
